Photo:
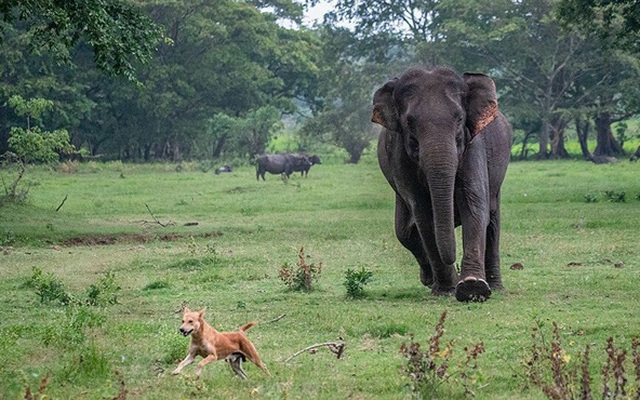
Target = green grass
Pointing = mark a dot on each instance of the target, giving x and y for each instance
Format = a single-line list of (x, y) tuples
[(229, 262)]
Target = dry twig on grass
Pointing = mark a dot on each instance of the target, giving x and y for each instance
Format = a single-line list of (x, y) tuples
[(336, 348), (61, 204), (156, 219), (278, 318)]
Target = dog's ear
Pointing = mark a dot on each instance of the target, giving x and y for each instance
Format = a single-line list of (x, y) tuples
[(186, 310), (201, 312)]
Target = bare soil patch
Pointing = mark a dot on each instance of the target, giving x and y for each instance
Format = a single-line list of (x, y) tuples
[(111, 239)]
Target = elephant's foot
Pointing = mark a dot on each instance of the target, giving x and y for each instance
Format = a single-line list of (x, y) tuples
[(472, 289), (442, 290), (496, 285), (444, 281), (426, 276), (494, 279)]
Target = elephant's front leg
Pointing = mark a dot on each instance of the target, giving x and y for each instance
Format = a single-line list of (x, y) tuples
[(407, 234), (445, 276), (472, 200)]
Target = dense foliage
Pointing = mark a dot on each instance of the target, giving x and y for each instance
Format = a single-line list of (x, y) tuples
[(222, 79)]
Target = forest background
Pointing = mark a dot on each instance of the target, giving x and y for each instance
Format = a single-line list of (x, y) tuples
[(174, 80)]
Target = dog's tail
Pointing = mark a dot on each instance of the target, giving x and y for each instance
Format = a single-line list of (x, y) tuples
[(246, 326)]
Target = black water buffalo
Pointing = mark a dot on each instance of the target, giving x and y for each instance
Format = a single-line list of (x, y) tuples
[(303, 163), (284, 164), (273, 164)]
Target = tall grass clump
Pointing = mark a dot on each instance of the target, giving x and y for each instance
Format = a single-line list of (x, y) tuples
[(300, 277), (550, 368), (430, 370)]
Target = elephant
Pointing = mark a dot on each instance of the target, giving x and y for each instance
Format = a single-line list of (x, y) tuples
[(444, 149)]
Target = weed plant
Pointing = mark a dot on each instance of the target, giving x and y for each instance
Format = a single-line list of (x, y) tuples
[(300, 277), (48, 288), (561, 376), (52, 290), (432, 369), (355, 282)]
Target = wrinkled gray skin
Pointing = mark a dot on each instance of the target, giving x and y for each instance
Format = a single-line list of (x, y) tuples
[(446, 169)]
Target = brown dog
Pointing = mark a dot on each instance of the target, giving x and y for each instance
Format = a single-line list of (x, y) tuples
[(213, 345)]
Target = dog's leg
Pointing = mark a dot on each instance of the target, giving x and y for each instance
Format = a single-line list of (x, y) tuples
[(205, 361), (235, 362), (188, 360), (252, 354)]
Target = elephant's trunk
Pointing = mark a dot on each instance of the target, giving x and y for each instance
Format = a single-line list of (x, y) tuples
[(441, 175)]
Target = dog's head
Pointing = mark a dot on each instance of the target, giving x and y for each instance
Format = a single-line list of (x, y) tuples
[(191, 321)]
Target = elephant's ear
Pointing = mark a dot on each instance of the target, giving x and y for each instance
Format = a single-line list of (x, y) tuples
[(384, 110), (482, 102)]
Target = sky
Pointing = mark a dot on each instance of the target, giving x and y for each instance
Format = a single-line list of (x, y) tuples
[(315, 14)]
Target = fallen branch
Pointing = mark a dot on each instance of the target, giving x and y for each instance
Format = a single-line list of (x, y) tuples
[(276, 319), (156, 219), (61, 204), (336, 348)]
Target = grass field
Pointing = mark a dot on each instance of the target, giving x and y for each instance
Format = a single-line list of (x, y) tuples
[(581, 268)]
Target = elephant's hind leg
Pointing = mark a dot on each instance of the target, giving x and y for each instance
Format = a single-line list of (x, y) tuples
[(492, 254)]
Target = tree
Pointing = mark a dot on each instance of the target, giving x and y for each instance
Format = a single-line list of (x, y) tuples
[(617, 22), (535, 62), (31, 144), (32, 75), (118, 32), (350, 73), (224, 57), (244, 136)]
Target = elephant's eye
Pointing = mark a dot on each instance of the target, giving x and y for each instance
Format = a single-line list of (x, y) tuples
[(413, 146)]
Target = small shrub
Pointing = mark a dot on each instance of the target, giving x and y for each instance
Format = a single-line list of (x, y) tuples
[(590, 198), (104, 292), (48, 288), (615, 197), (355, 281), (74, 329), (87, 363), (300, 277), (429, 370)]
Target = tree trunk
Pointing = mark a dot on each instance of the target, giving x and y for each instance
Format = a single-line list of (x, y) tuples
[(582, 129), (543, 154), (557, 139), (218, 146), (607, 144)]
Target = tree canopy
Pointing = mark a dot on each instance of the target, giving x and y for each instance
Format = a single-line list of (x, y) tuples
[(610, 19), (117, 31), (197, 80)]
